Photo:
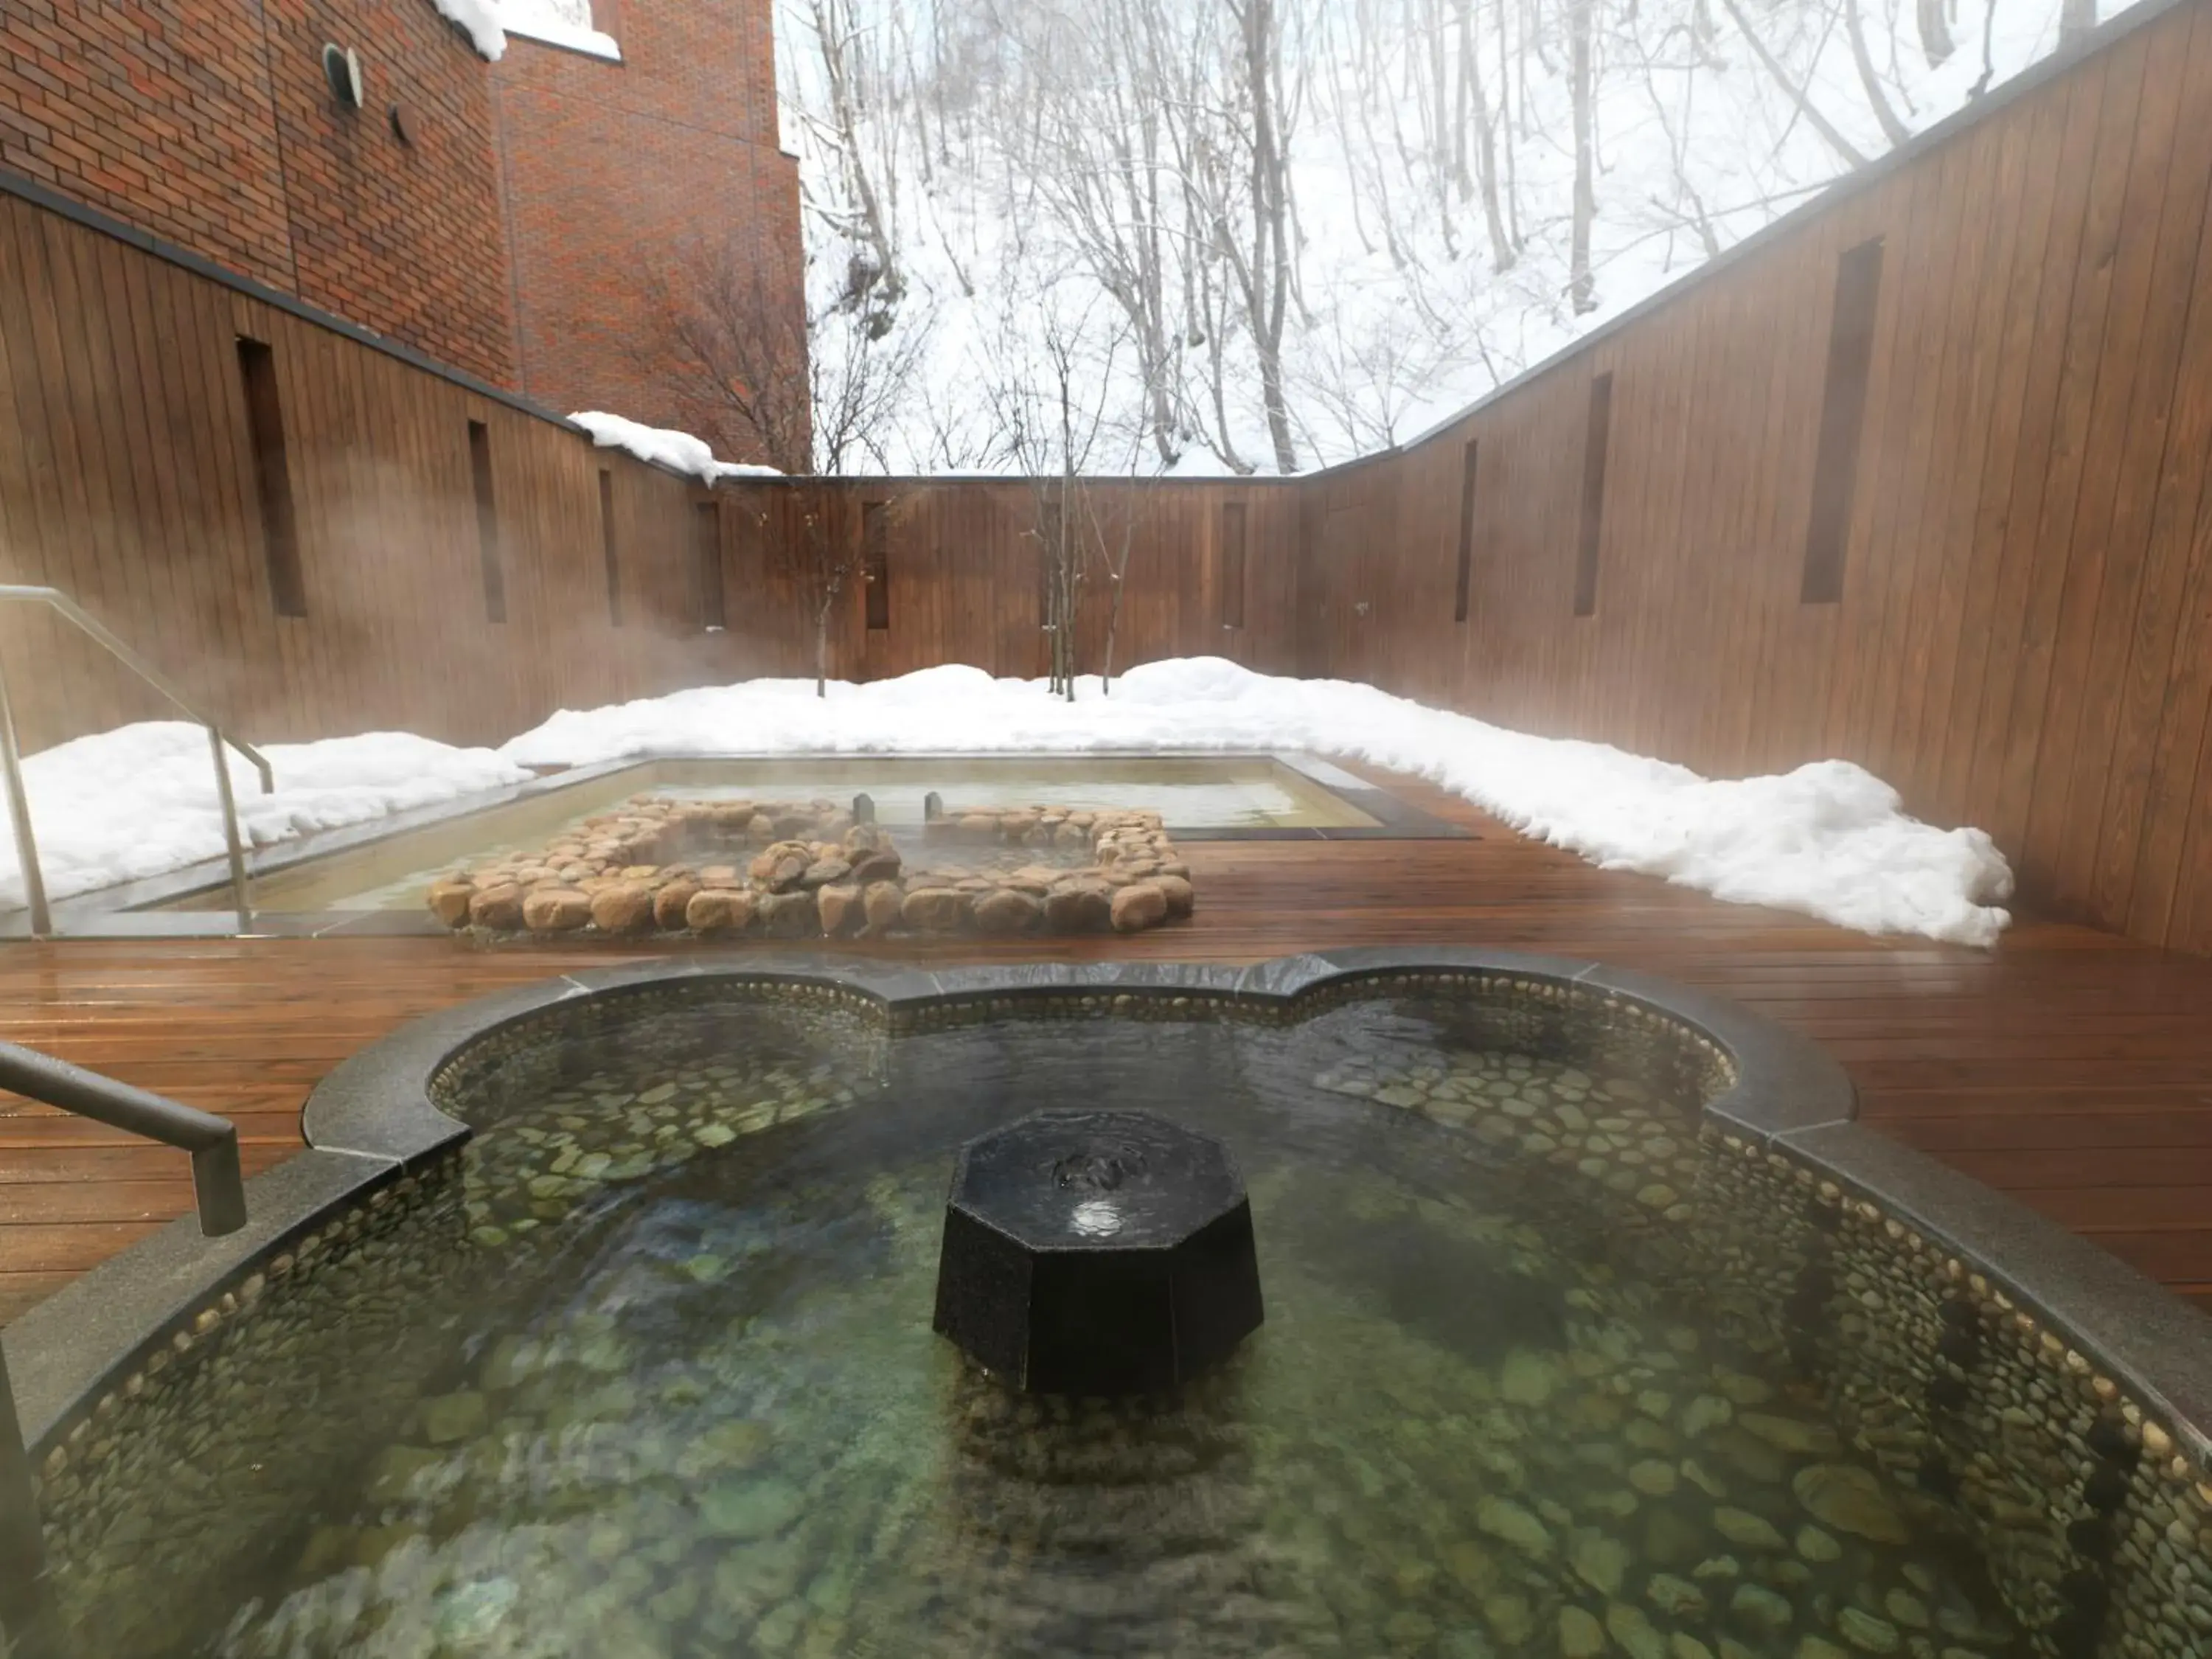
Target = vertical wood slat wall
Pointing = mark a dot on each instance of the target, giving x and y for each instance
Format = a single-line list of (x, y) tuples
[(2022, 638), (128, 479)]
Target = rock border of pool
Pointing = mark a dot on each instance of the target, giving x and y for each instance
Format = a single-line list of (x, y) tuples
[(2140, 1359)]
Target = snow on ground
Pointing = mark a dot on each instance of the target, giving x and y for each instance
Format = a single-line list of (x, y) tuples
[(141, 800), (663, 446), (1828, 839)]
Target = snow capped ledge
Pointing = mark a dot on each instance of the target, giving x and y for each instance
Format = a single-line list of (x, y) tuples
[(559, 23), (479, 19), (679, 452)]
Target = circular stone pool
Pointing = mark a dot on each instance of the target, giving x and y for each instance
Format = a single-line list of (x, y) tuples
[(1554, 1364)]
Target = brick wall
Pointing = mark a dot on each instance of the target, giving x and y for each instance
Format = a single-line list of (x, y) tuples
[(610, 169), (209, 123)]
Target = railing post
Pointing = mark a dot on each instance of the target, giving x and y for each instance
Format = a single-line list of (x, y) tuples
[(230, 831), (19, 817), (22, 1537), (219, 1186)]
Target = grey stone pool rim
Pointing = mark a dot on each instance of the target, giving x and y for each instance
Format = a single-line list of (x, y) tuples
[(371, 1129)]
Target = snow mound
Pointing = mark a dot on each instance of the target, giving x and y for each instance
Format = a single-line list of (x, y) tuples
[(1829, 839), (661, 446), (141, 800), (479, 21)]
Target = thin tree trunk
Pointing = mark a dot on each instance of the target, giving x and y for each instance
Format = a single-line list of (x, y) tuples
[(1934, 31), (1582, 284), (1892, 129), (1820, 123), (1485, 148)]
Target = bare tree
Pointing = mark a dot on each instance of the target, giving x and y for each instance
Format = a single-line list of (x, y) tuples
[(1053, 413), (873, 274), (1582, 284), (1892, 129), (743, 365), (818, 540), (1238, 163)]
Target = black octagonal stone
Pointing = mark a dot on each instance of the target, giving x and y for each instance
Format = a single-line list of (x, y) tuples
[(1097, 1253)]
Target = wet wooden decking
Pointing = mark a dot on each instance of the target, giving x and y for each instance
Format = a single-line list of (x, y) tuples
[(2067, 1067)]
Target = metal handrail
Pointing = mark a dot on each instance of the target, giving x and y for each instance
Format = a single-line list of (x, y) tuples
[(218, 1185), (219, 1190), (12, 760)]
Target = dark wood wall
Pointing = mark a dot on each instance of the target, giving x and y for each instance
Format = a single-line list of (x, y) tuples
[(128, 479), (2023, 638), (964, 564)]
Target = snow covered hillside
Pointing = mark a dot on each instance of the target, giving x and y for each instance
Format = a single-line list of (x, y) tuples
[(1194, 236)]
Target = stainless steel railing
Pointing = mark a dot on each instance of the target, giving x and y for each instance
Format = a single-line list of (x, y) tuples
[(18, 805), (219, 1190), (217, 1186)]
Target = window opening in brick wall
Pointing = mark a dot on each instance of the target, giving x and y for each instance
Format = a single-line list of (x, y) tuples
[(1593, 523), (1842, 415), (875, 562), (494, 577), (1466, 575), (272, 478), (607, 549), (1232, 564), (706, 556)]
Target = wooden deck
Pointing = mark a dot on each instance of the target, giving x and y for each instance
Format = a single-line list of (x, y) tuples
[(2070, 1068)]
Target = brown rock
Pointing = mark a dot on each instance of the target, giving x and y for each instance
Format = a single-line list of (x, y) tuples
[(781, 868), (881, 864), (1008, 910), (885, 902), (1078, 908), (789, 826), (449, 902), (498, 906), (641, 872), (980, 826), (623, 907), (720, 875), (789, 915), (1139, 907), (719, 910), (669, 902), (733, 814), (555, 910), (865, 838), (935, 910), (1070, 833), (761, 830), (822, 871), (1016, 826), (840, 903), (1183, 898), (1175, 867)]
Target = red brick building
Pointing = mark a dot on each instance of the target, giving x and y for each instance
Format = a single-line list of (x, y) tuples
[(620, 172), (496, 216)]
